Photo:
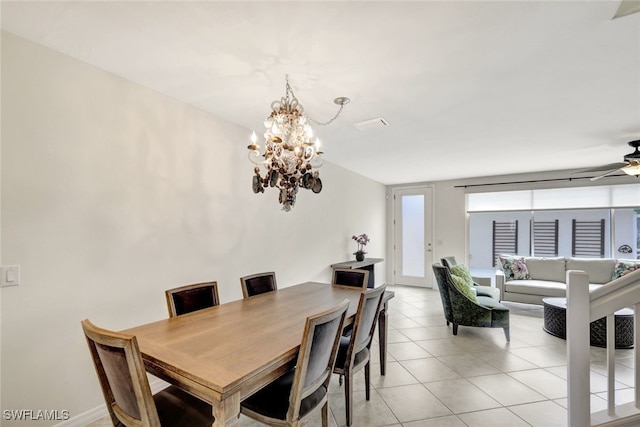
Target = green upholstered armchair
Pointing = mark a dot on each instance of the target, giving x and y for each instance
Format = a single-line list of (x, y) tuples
[(462, 311), (481, 291)]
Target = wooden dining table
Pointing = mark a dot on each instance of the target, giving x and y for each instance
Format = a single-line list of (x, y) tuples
[(224, 354)]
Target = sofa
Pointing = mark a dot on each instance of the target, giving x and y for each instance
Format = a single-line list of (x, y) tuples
[(530, 279)]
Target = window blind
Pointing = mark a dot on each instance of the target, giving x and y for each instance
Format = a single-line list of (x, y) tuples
[(605, 196)]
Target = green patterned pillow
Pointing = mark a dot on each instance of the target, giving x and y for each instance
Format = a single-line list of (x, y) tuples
[(624, 267), (514, 267), (462, 271), (465, 287)]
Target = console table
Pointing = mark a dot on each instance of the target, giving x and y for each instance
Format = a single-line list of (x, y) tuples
[(367, 264)]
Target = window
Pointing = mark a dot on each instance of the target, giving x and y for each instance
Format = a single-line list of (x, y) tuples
[(606, 196), (626, 234), (505, 239), (587, 238), (481, 236), (600, 221), (637, 233), (545, 238)]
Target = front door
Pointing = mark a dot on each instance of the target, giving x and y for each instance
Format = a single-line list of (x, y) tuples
[(413, 245)]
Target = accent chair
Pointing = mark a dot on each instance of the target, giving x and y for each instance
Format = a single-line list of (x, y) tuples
[(462, 310)]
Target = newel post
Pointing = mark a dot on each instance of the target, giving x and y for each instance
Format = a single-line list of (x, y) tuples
[(578, 350)]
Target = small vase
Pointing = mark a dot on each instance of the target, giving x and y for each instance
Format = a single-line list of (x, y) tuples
[(359, 256)]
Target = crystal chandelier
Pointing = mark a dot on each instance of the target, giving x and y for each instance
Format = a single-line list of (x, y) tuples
[(290, 158)]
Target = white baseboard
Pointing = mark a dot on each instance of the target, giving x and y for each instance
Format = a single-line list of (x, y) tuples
[(86, 417), (94, 414)]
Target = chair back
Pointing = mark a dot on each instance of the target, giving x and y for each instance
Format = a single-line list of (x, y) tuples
[(316, 358), (364, 324), (257, 284), (350, 277), (186, 299), (122, 376), (441, 274), (449, 261)]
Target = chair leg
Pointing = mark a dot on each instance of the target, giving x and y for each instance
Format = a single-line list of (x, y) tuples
[(455, 329), (348, 396), (506, 334), (325, 414), (367, 381), (447, 323), (382, 338), (340, 379)]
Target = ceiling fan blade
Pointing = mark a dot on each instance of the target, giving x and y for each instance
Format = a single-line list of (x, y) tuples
[(604, 168), (595, 178), (631, 165), (627, 7)]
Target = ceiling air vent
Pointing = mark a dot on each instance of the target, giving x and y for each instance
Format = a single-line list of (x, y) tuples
[(378, 122)]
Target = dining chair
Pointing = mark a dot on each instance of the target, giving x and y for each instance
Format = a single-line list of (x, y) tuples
[(354, 350), (186, 299), (126, 390), (350, 277), (256, 284), (290, 399)]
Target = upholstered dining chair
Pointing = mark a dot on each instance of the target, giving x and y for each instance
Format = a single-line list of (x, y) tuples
[(460, 310), (186, 299), (125, 386), (290, 399), (256, 284), (481, 291), (354, 350), (350, 277)]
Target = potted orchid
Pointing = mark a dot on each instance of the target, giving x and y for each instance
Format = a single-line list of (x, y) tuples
[(362, 241)]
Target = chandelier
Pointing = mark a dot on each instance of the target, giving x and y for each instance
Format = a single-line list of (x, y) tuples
[(290, 158)]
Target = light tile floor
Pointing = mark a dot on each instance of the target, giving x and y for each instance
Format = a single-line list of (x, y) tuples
[(474, 379)]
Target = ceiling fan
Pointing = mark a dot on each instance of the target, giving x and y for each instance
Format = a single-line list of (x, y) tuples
[(630, 166), (627, 7)]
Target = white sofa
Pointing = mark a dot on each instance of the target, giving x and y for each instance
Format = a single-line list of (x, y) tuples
[(547, 277)]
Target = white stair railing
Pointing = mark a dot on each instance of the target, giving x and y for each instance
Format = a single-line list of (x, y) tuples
[(584, 307)]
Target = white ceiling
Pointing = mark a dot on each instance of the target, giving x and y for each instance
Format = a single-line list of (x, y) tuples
[(469, 88)]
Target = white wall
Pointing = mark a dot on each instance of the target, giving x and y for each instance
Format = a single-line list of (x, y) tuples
[(1, 138), (112, 193)]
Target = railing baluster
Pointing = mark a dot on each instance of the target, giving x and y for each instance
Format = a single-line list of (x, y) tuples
[(636, 360), (611, 364), (578, 352), (582, 307)]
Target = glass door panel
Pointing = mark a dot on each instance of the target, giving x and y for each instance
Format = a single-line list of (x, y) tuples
[(413, 253)]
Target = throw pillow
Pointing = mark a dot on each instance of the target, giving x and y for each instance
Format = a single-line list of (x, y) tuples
[(465, 287), (623, 267), (462, 271), (514, 267)]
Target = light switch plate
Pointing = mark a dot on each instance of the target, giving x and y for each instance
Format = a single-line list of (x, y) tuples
[(10, 276)]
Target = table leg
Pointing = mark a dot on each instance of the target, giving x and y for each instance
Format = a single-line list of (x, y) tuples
[(227, 411), (382, 338)]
